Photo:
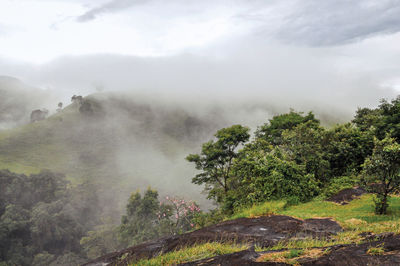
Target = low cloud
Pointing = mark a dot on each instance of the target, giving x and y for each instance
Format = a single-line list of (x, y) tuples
[(109, 7), (321, 23)]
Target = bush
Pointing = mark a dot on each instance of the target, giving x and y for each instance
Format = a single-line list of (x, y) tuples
[(338, 184)]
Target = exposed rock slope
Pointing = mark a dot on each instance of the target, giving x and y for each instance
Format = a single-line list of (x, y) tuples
[(263, 231)]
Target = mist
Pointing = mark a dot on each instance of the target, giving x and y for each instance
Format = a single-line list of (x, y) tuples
[(159, 79)]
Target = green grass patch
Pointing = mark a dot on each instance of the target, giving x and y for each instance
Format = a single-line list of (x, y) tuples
[(374, 251), (357, 215), (197, 252), (266, 208)]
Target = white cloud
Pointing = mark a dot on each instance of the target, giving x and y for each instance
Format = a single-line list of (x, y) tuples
[(346, 52)]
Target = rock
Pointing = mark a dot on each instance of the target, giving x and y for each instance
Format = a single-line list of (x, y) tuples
[(263, 231), (339, 255), (354, 254), (346, 195), (243, 258)]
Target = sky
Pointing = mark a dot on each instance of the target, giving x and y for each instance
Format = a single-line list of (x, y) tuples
[(343, 53)]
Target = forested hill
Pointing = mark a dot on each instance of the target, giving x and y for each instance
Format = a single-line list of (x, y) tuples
[(114, 141)]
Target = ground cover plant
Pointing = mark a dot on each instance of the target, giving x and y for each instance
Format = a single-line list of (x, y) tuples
[(197, 252)]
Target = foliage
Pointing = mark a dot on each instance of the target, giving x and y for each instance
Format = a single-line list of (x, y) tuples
[(141, 217), (271, 176), (36, 225), (100, 241), (202, 219), (383, 167), (272, 131), (147, 218), (181, 214), (216, 159), (305, 145), (382, 120), (346, 149), (339, 183)]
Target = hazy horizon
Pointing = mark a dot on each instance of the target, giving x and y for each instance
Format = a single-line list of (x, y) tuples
[(344, 56)]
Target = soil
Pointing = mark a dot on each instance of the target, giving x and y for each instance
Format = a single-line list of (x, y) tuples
[(346, 195), (264, 231)]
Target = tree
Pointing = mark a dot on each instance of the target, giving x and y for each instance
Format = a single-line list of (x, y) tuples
[(305, 145), (271, 176), (382, 120), (383, 167), (390, 120), (138, 225), (178, 214), (347, 148), (272, 131), (216, 159), (366, 118), (60, 105), (100, 241)]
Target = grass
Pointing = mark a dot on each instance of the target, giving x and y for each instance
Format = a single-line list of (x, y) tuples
[(291, 256), (374, 251), (356, 217), (269, 207), (197, 252)]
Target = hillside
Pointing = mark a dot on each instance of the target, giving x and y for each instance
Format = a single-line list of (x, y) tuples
[(122, 145), (17, 100), (275, 234)]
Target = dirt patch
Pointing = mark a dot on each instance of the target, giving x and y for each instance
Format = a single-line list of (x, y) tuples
[(346, 195), (262, 231)]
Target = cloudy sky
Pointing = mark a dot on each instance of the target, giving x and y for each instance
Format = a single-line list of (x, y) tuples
[(340, 52)]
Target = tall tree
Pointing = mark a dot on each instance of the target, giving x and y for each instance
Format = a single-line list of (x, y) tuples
[(272, 131), (216, 159), (383, 168)]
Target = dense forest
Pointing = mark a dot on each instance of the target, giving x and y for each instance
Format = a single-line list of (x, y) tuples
[(47, 220)]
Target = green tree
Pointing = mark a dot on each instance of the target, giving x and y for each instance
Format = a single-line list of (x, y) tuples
[(305, 145), (382, 120), (139, 223), (272, 175), (100, 241), (216, 159), (347, 148), (366, 118), (272, 131), (383, 168)]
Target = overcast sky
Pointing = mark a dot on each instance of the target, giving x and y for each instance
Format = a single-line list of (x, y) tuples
[(342, 51)]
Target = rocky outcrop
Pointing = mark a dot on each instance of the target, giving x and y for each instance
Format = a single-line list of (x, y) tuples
[(263, 231), (346, 195), (339, 255)]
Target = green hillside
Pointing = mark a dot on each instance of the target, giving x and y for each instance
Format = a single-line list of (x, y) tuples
[(120, 145)]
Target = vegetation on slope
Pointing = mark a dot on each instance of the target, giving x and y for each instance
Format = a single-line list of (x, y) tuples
[(290, 166), (358, 218)]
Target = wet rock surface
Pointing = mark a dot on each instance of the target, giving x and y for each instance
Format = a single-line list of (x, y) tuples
[(358, 254), (263, 231), (340, 255), (346, 195)]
